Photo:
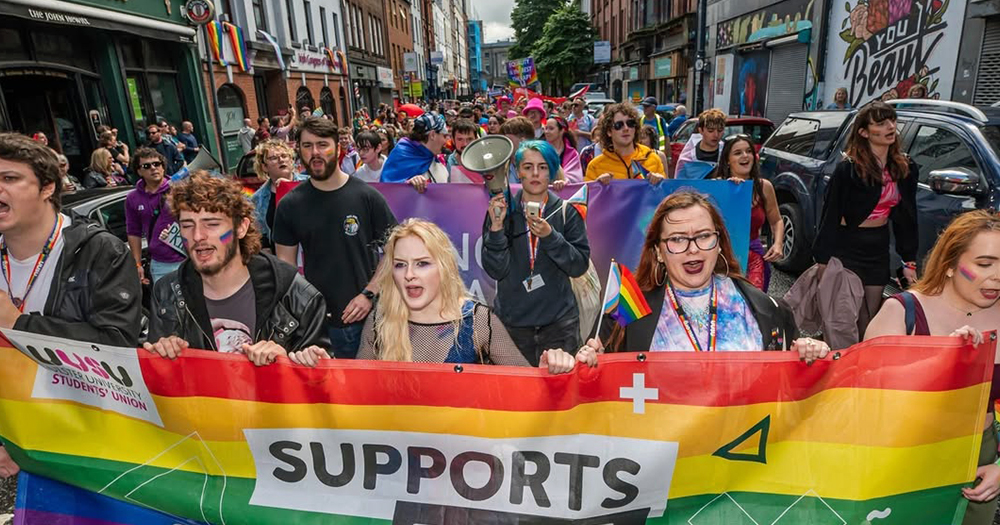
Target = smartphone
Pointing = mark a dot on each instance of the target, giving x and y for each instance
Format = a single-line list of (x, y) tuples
[(533, 209)]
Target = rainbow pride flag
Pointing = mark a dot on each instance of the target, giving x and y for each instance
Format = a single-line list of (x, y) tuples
[(623, 299), (213, 30), (239, 45), (884, 433)]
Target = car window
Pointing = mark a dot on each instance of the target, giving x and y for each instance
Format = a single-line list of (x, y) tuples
[(113, 216), (992, 134), (935, 148), (685, 132), (757, 132), (796, 136)]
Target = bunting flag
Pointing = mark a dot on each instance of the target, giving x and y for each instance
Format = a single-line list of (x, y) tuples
[(884, 433), (214, 31), (277, 48), (239, 45), (623, 299)]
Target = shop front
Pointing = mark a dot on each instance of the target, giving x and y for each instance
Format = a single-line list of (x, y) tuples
[(67, 68), (320, 83), (365, 78), (668, 72)]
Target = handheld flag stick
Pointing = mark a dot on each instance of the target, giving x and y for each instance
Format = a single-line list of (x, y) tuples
[(604, 304)]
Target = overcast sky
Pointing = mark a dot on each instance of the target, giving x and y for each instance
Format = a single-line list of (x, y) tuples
[(495, 15)]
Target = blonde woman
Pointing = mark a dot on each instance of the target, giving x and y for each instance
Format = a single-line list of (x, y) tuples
[(426, 314), (274, 162), (103, 171)]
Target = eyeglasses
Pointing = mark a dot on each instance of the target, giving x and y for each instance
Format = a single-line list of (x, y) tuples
[(680, 244), (281, 156), (148, 165), (619, 124)]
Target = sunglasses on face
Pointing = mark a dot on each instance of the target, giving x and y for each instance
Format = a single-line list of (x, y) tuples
[(148, 165), (619, 124)]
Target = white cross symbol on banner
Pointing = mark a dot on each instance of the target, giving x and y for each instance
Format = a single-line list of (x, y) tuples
[(638, 393)]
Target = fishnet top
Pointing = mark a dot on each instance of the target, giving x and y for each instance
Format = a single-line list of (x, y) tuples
[(432, 343)]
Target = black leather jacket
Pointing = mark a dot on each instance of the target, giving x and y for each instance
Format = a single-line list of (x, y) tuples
[(290, 311), (95, 294)]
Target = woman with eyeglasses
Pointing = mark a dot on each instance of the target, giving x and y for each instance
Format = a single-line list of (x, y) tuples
[(700, 302), (533, 245), (557, 134), (875, 184), (622, 156), (738, 164), (274, 163)]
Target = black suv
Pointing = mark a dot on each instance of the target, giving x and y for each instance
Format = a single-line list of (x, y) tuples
[(956, 146)]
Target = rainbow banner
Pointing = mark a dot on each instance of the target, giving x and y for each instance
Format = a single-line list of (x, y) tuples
[(239, 45), (522, 72), (884, 433), (213, 32)]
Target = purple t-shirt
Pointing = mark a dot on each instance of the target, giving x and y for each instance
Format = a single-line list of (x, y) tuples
[(141, 209)]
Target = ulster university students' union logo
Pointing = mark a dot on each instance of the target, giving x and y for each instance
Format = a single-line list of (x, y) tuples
[(351, 225)]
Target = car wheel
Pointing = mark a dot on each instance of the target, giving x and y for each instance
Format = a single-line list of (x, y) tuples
[(797, 255)]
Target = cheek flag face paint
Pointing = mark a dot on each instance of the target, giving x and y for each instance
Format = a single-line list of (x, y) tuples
[(967, 273), (226, 237)]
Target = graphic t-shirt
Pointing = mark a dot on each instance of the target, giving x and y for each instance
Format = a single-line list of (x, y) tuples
[(234, 319), (341, 232), (20, 271)]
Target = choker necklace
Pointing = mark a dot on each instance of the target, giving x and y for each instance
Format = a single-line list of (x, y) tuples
[(967, 313)]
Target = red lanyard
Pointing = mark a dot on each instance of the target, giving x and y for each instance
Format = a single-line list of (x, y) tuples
[(39, 264), (713, 318)]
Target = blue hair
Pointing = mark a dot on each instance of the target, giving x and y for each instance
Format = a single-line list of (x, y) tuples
[(547, 151)]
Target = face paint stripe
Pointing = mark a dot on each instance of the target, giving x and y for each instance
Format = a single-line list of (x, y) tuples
[(226, 237), (967, 273)]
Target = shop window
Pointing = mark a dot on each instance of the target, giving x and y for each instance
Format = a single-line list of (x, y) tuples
[(62, 49), (326, 101), (131, 53), (303, 97), (231, 110), (158, 56), (11, 45), (165, 98)]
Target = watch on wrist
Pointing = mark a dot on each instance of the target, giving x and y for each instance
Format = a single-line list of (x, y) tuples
[(370, 295)]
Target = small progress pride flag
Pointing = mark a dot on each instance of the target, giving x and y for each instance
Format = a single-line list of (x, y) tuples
[(623, 299)]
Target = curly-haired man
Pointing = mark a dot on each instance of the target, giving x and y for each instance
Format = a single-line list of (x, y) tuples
[(622, 156), (228, 296)]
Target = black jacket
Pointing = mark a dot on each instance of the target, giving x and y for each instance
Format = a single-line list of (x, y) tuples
[(93, 179), (95, 294), (776, 322), (564, 254), (290, 311), (851, 199), (175, 161)]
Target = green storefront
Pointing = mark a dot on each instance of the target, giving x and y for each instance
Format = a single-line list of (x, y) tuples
[(67, 67)]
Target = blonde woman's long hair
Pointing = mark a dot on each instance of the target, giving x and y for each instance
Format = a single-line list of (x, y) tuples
[(100, 161), (392, 317)]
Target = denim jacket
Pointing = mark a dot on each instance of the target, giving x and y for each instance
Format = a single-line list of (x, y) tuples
[(261, 199)]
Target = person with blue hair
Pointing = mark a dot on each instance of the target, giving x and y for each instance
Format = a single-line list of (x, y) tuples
[(533, 246)]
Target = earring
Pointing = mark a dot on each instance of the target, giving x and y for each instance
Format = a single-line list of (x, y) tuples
[(949, 274), (659, 282)]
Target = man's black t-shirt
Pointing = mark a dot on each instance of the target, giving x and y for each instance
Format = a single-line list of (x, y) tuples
[(707, 156), (340, 232)]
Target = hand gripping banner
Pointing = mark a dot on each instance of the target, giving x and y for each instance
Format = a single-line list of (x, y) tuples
[(884, 433)]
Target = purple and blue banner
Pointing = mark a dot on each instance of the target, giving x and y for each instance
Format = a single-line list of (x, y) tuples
[(617, 218)]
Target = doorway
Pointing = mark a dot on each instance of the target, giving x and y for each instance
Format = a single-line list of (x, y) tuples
[(48, 103)]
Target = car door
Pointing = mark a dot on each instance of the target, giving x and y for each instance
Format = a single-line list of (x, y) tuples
[(933, 146)]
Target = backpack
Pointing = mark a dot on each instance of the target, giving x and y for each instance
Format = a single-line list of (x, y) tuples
[(587, 290)]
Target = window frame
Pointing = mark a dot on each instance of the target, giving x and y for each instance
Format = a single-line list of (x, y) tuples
[(258, 7), (310, 32)]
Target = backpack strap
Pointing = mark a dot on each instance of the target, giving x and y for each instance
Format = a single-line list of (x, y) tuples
[(909, 311)]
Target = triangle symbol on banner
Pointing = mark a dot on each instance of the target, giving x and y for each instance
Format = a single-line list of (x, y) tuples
[(760, 429)]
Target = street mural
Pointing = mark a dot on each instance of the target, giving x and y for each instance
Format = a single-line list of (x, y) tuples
[(749, 95), (783, 18), (879, 49)]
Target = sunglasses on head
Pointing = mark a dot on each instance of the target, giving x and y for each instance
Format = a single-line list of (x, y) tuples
[(742, 136), (618, 125), (148, 165)]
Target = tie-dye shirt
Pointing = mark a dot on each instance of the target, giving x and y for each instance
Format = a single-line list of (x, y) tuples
[(738, 330)]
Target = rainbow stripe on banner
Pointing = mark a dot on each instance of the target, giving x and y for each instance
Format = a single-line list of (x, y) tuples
[(213, 30), (239, 45), (623, 299), (891, 427)]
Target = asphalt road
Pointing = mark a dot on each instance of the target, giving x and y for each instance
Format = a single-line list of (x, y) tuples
[(780, 283)]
